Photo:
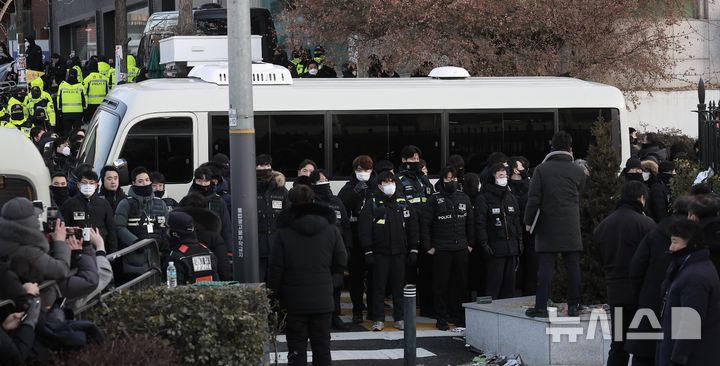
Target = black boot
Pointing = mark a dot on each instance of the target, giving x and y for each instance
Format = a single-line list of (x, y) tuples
[(338, 324), (536, 313)]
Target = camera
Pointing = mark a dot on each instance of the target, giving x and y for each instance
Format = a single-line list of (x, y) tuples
[(51, 219)]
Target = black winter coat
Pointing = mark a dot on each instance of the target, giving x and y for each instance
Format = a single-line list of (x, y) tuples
[(519, 189), (271, 200), (354, 202), (217, 205), (14, 346), (388, 225), (95, 213), (86, 279), (415, 188), (306, 251), (497, 221), (660, 199), (647, 272), (694, 284), (207, 228), (555, 190), (448, 222), (618, 236), (711, 234), (341, 215), (112, 197)]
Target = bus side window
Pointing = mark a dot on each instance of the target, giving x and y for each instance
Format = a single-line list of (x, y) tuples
[(161, 144), (15, 187)]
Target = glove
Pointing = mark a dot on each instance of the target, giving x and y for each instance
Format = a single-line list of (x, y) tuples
[(32, 313), (361, 186), (412, 259), (369, 259), (486, 251)]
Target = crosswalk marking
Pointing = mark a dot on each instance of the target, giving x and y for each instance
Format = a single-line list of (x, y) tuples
[(380, 354), (386, 336)]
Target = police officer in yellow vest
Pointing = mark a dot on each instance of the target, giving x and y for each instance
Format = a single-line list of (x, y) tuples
[(74, 64), (71, 102), (132, 68), (17, 96), (106, 70), (18, 119), (96, 88), (38, 97)]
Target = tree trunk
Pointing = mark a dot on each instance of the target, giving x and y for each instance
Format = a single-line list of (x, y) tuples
[(185, 24), (121, 35)]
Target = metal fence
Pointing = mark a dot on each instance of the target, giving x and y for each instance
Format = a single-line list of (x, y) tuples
[(708, 130), (152, 277)]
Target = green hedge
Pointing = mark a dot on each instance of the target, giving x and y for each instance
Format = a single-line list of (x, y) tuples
[(206, 325)]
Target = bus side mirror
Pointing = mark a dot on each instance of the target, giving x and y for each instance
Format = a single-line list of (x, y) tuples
[(124, 175)]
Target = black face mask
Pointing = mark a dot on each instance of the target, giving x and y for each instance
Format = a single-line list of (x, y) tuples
[(322, 190), (60, 194), (204, 190), (263, 174), (143, 191), (413, 167), (159, 194), (17, 116), (633, 176), (450, 187)]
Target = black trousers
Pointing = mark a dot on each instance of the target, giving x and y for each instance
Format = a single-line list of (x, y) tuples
[(337, 291), (617, 355), (450, 282), (356, 280), (528, 269), (546, 266), (300, 328), (500, 277), (388, 268), (71, 123), (424, 284)]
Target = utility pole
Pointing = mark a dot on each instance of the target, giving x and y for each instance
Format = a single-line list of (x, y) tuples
[(121, 41), (242, 144)]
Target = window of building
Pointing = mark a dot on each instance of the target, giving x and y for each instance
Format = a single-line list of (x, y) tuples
[(162, 144)]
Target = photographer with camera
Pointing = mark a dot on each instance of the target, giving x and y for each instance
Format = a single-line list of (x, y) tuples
[(26, 249), (17, 334)]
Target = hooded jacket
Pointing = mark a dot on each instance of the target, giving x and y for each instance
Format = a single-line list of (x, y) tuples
[(554, 196), (207, 228), (307, 250), (28, 253), (618, 237), (271, 200)]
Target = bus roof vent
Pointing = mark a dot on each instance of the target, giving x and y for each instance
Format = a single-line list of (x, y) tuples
[(262, 74), (449, 72)]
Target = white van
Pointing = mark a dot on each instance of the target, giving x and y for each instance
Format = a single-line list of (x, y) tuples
[(22, 172), (174, 125)]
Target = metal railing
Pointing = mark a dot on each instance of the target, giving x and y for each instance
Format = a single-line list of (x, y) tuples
[(708, 130), (150, 278)]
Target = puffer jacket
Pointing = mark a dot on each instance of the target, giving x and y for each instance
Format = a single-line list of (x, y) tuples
[(498, 223), (271, 200), (29, 255)]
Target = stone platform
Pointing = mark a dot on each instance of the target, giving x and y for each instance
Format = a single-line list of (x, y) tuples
[(502, 327)]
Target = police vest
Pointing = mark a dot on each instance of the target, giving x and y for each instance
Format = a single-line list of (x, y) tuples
[(96, 87), (142, 224), (133, 72), (413, 189), (380, 211), (70, 97), (45, 102), (196, 262)]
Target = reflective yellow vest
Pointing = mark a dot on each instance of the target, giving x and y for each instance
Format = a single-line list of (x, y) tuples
[(71, 97), (96, 88), (79, 73), (12, 102), (49, 106), (132, 69)]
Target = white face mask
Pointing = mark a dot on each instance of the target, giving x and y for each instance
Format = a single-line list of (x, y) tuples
[(313, 72), (646, 176), (479, 186), (362, 176), (502, 182), (389, 189), (87, 189), (66, 151)]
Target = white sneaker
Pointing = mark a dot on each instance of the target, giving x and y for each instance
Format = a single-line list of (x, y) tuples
[(378, 326), (400, 325)]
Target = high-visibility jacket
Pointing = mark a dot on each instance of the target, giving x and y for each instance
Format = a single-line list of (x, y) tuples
[(104, 68), (79, 73), (11, 102), (71, 97), (133, 70), (45, 100), (20, 124), (111, 77), (96, 88), (300, 67)]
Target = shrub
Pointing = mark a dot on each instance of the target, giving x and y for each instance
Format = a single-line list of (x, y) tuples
[(132, 351), (206, 325)]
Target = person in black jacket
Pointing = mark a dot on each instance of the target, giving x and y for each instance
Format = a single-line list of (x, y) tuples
[(17, 334), (158, 184), (619, 236), (306, 252), (448, 235), (704, 211), (498, 230), (647, 272), (320, 184), (87, 211), (34, 55), (691, 285), (195, 262), (660, 194), (202, 184), (110, 188), (519, 184), (207, 229), (353, 195), (272, 198), (388, 227)]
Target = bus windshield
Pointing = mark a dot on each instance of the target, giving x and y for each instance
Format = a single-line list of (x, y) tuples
[(103, 128)]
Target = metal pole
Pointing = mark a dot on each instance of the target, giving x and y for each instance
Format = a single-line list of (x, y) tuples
[(242, 144), (410, 331), (702, 132)]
